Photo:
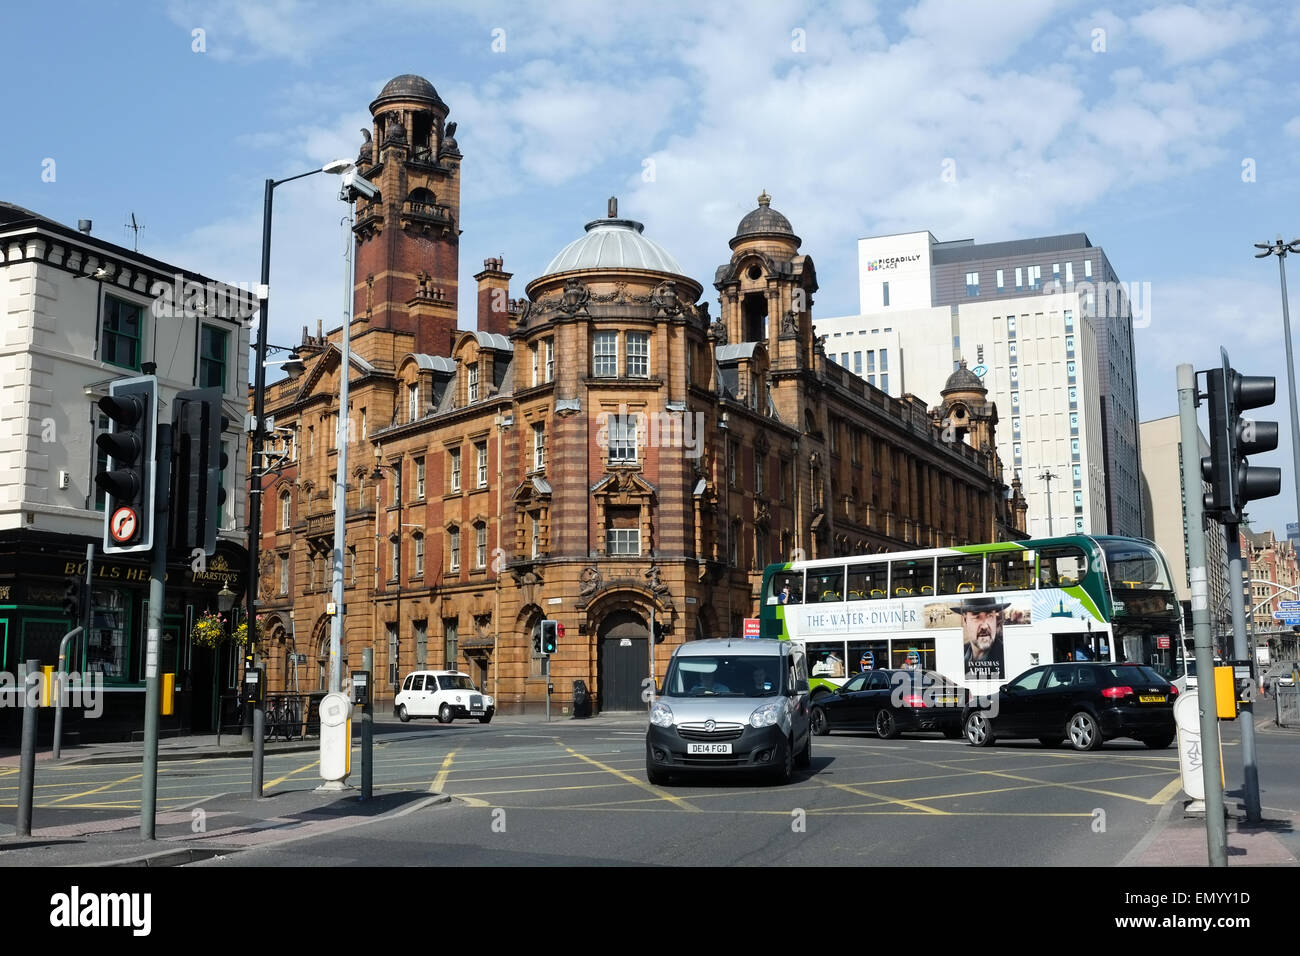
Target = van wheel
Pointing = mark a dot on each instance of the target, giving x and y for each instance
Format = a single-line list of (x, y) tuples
[(805, 756), (402, 715), (785, 773), (445, 714)]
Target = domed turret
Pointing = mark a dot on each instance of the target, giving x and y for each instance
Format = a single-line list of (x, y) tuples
[(613, 243), (764, 223), (963, 380), (408, 88)]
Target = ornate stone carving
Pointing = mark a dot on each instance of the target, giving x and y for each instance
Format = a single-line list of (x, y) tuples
[(719, 332), (789, 324), (396, 130), (665, 298), (575, 297), (589, 582), (656, 584)]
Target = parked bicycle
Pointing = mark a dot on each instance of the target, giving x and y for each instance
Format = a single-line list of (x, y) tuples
[(282, 719)]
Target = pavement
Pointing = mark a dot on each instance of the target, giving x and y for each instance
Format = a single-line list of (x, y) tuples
[(227, 823), (1178, 837)]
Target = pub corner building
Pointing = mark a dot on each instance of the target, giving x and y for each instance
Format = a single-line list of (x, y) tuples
[(34, 572), (81, 313)]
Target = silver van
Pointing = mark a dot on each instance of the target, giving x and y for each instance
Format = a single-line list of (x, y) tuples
[(731, 705)]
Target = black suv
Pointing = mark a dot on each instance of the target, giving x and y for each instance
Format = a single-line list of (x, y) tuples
[(1086, 703)]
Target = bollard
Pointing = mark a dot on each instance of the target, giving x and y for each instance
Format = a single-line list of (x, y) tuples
[(367, 727), (27, 760)]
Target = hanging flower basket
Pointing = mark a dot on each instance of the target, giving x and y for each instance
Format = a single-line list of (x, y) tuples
[(241, 632), (209, 630)]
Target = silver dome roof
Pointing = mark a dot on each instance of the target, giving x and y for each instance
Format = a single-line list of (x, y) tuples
[(614, 244)]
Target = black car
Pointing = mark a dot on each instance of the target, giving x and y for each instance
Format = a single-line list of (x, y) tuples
[(890, 702), (1085, 702)]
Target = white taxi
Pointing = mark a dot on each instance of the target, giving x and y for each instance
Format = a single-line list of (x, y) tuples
[(442, 694)]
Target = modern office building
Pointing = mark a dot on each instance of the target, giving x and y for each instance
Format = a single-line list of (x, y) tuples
[(1047, 326), (1164, 507)]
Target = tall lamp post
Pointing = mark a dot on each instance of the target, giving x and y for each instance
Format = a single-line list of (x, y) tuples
[(336, 167), (1280, 249), (378, 475), (225, 604), (1049, 477)]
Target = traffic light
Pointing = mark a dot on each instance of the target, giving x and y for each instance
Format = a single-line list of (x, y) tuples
[(72, 597), (197, 495), (551, 633), (128, 484), (1233, 481)]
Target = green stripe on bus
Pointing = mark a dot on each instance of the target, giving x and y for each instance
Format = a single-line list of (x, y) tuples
[(986, 548), (1077, 591)]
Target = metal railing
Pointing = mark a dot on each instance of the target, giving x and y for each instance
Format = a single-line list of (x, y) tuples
[(1286, 703), (287, 716)]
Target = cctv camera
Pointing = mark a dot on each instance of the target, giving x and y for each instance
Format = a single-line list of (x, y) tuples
[(355, 184)]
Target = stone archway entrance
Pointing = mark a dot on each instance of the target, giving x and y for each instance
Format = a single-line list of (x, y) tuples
[(623, 661)]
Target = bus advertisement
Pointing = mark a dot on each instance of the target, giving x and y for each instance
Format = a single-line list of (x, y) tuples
[(978, 614)]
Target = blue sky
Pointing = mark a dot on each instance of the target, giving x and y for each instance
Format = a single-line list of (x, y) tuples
[(1166, 131)]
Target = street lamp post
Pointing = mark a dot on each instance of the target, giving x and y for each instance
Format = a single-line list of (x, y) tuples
[(1049, 477), (377, 475), (1280, 249), (259, 390)]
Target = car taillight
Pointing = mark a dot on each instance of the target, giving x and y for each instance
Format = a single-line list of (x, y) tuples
[(1173, 690), (1116, 692), (914, 700)]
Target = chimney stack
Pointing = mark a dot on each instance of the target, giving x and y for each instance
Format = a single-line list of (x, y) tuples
[(83, 226), (493, 298)]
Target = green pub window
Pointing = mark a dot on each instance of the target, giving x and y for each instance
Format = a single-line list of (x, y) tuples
[(212, 357), (120, 339)]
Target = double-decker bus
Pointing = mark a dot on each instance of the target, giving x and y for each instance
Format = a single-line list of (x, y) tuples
[(978, 614)]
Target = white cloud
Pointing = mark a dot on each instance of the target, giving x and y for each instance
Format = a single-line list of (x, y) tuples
[(1186, 34)]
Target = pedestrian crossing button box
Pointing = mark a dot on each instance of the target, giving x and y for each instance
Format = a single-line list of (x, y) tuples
[(361, 688), (254, 686)]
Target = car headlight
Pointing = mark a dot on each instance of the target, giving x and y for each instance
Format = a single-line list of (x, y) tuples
[(767, 715), (661, 715), (489, 701)]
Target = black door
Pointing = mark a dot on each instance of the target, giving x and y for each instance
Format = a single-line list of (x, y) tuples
[(1016, 704), (624, 662)]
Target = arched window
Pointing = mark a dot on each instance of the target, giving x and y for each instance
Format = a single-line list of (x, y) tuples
[(418, 540), (453, 540), (421, 200), (286, 509)]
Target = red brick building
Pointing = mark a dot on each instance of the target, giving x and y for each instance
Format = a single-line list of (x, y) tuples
[(602, 451)]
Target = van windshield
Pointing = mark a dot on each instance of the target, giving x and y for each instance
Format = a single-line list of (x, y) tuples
[(455, 682), (723, 676)]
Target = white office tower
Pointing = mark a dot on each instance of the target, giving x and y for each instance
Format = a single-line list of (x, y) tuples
[(1046, 326)]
